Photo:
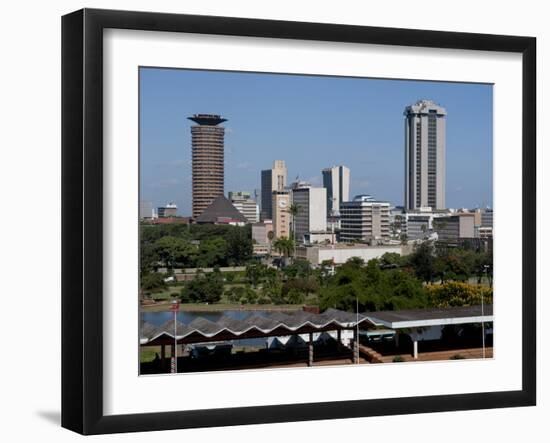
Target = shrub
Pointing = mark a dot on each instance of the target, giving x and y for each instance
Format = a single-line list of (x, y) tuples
[(398, 359), (457, 357)]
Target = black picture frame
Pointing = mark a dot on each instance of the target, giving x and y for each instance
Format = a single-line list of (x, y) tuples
[(82, 239)]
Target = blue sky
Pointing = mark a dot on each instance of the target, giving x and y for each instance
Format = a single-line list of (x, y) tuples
[(310, 122)]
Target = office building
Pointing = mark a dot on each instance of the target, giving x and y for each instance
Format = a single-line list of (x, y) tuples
[(261, 243), (336, 181), (273, 179), (207, 140), (364, 219), (145, 210), (425, 155), (169, 210), (281, 217), (455, 227), (487, 218), (245, 205), (312, 211)]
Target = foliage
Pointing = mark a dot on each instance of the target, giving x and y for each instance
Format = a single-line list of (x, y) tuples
[(239, 245), (300, 285), (205, 288), (173, 250), (284, 246), (255, 273), (190, 246), (299, 268), (212, 252), (422, 260), (456, 293), (152, 281), (374, 288), (398, 359), (457, 357)]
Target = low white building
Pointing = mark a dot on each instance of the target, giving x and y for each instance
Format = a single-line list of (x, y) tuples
[(341, 253)]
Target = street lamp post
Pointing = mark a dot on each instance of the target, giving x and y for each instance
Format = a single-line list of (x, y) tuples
[(485, 267), (175, 308)]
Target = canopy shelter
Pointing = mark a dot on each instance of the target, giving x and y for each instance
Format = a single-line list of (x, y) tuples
[(422, 318), (270, 324)]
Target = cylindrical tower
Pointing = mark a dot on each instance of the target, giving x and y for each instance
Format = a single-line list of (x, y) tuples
[(207, 141)]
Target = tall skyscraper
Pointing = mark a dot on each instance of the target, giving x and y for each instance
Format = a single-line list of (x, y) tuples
[(207, 140), (336, 182), (425, 155), (273, 179)]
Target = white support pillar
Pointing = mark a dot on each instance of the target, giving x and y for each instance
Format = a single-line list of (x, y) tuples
[(415, 349), (310, 349), (355, 347)]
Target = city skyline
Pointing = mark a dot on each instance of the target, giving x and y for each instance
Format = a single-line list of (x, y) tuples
[(304, 124)]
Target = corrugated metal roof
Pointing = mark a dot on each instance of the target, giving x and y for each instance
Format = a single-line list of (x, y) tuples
[(263, 324)]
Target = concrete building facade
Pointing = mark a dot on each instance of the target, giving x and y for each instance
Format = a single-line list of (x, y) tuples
[(425, 155), (273, 179), (336, 181), (364, 219), (455, 227), (145, 210), (207, 144), (281, 217), (341, 253), (260, 237), (245, 205), (312, 211), (169, 210)]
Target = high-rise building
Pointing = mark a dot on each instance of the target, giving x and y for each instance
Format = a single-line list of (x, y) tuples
[(425, 155), (169, 210), (336, 181), (207, 140), (273, 179), (245, 205), (281, 217), (364, 219), (312, 211)]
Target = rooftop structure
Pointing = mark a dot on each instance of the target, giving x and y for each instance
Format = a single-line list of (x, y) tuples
[(207, 119), (221, 211)]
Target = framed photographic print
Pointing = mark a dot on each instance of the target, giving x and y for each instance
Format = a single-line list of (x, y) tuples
[(269, 221)]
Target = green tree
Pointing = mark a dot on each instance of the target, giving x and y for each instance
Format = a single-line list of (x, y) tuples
[(293, 210), (255, 273), (284, 246), (239, 245), (270, 237), (458, 294), (422, 260), (152, 282), (173, 251), (212, 252), (205, 288)]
